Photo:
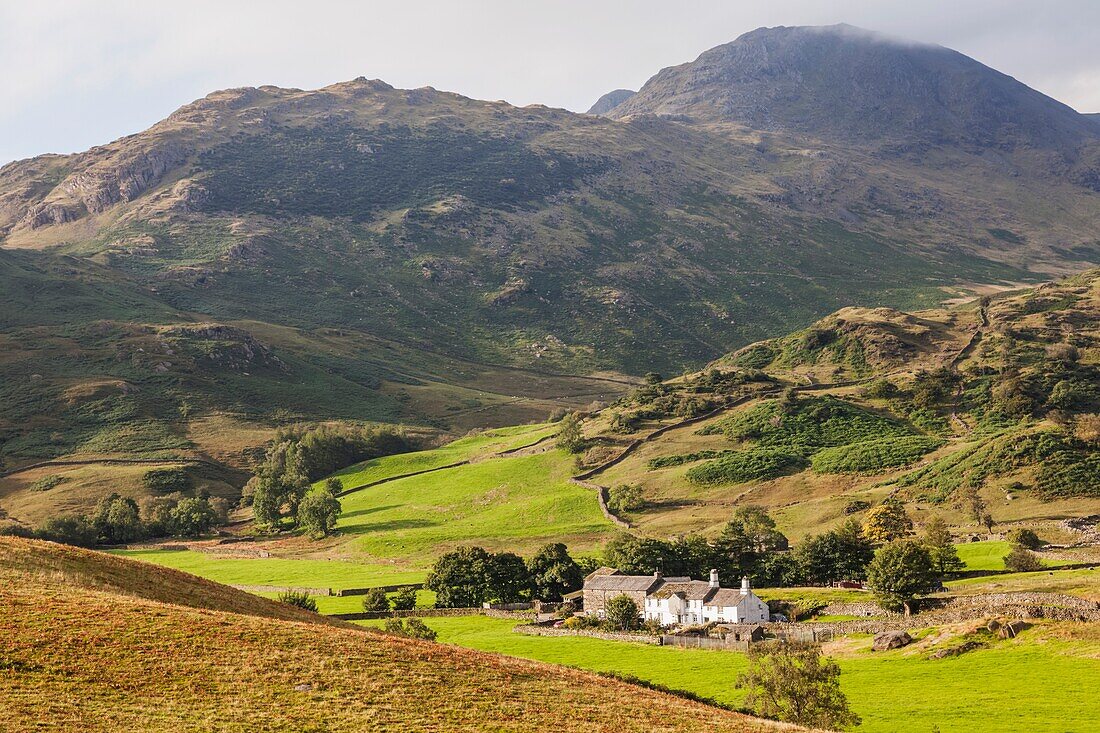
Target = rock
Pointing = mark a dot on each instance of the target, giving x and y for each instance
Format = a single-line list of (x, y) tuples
[(1011, 629), (304, 687), (890, 640), (994, 625)]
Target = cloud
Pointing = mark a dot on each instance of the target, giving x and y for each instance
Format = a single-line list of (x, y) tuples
[(82, 73)]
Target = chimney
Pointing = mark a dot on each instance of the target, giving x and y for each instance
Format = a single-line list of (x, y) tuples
[(656, 573), (713, 578), (745, 584)]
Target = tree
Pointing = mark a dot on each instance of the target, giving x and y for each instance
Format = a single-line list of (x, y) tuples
[(987, 522), (973, 502), (900, 572), (405, 598), (509, 580), (376, 601), (553, 572), (794, 683), (747, 541), (621, 612), (192, 517), (462, 578), (334, 485), (570, 438), (117, 520), (937, 540), (842, 554), (301, 600), (318, 512), (1022, 560), (68, 529), (625, 498), (887, 522)]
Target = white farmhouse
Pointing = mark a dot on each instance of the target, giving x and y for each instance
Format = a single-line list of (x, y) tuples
[(698, 602)]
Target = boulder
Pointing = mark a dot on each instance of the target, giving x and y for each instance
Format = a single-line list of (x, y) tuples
[(1012, 628), (890, 640)]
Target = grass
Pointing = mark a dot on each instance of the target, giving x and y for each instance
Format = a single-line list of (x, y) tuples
[(516, 503), (462, 449), (79, 654), (1084, 582), (277, 570), (892, 691), (984, 555)]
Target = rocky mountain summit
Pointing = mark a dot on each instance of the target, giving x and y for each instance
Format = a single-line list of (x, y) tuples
[(610, 101)]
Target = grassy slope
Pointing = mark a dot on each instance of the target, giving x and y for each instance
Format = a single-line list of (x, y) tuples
[(92, 660), (31, 563), (462, 449), (513, 502), (892, 691), (298, 572)]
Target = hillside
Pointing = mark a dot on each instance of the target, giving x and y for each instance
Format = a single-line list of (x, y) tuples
[(97, 660), (361, 252), (997, 399), (844, 83)]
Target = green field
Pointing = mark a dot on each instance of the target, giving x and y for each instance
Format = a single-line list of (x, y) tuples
[(984, 555), (513, 503), (490, 441), (277, 570), (1037, 682)]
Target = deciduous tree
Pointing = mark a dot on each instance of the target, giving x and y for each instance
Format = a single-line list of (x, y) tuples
[(793, 682)]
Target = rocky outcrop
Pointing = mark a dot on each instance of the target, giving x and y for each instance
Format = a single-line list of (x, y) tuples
[(890, 640), (610, 101)]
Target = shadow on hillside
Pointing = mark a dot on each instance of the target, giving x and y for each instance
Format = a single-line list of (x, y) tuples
[(389, 526), (364, 512)]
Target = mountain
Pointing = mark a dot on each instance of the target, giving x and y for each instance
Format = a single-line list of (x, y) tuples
[(847, 84), (610, 101), (361, 252)]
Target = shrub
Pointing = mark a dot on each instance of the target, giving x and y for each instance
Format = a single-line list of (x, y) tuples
[(405, 599), (625, 498), (47, 482), (873, 456), (167, 480), (1022, 560), (68, 529), (1025, 538), (301, 600), (376, 601), (412, 628), (621, 613), (756, 464), (793, 682)]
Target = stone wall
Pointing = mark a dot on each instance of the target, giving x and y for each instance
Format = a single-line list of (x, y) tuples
[(533, 630), (436, 613)]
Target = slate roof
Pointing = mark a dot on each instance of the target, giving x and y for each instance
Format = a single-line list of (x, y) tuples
[(724, 597), (691, 590), (638, 583)]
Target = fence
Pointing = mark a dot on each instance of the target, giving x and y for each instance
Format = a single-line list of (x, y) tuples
[(534, 630), (704, 642)]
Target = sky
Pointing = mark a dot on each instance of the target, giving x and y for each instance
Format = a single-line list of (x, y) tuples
[(84, 72)]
